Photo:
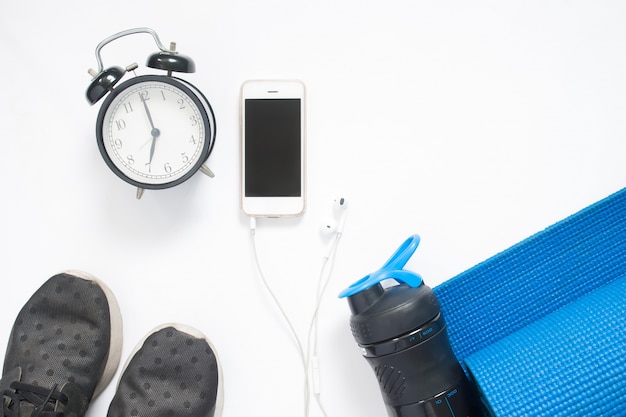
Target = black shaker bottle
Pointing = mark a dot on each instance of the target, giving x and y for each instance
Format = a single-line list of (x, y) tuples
[(397, 323)]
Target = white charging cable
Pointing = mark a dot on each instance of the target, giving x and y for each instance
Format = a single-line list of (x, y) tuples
[(308, 358), (284, 315)]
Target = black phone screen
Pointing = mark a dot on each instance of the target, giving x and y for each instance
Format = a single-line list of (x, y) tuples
[(273, 147)]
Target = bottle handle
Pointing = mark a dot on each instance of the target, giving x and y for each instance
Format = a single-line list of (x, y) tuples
[(393, 268), (402, 255)]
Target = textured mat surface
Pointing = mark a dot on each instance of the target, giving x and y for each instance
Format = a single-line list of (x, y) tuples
[(569, 363), (535, 278)]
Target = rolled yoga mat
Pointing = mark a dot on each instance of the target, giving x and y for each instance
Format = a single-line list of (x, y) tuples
[(531, 280), (570, 363)]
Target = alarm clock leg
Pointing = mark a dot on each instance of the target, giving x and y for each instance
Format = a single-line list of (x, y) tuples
[(205, 170)]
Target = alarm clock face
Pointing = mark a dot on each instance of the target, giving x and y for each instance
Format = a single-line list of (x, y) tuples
[(154, 131)]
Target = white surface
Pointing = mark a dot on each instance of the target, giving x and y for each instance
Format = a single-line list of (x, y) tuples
[(473, 125)]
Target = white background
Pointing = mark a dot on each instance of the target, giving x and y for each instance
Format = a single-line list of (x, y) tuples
[(473, 124)]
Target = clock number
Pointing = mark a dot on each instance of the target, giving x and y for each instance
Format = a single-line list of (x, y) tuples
[(181, 103), (149, 166), (194, 120), (144, 95), (121, 124), (185, 158), (192, 139), (118, 143), (130, 159), (163, 95), (167, 167), (128, 107)]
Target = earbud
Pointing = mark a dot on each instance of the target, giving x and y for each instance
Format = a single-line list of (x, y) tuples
[(339, 203), (335, 226)]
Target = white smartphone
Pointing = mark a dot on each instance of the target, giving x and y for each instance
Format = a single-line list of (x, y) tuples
[(273, 148)]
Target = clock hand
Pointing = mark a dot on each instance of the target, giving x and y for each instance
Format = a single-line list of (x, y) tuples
[(154, 132), (152, 145), (145, 106)]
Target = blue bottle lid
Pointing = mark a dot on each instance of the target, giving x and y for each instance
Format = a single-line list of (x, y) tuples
[(393, 268)]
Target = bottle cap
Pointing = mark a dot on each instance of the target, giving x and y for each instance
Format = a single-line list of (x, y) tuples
[(393, 268)]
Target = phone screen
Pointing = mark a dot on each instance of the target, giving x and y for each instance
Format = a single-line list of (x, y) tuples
[(273, 147)]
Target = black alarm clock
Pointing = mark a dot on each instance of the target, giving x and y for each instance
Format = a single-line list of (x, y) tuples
[(153, 131)]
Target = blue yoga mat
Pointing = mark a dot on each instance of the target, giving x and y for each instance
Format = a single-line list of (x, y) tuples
[(536, 278), (569, 363)]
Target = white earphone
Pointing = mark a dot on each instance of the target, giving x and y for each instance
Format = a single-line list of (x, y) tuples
[(335, 226), (308, 352)]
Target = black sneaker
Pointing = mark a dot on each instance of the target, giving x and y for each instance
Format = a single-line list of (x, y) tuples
[(174, 371), (63, 350)]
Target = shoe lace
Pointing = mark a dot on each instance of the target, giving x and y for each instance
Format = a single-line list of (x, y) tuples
[(44, 400)]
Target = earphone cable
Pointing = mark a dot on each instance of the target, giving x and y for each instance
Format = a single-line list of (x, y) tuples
[(312, 338), (308, 359)]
